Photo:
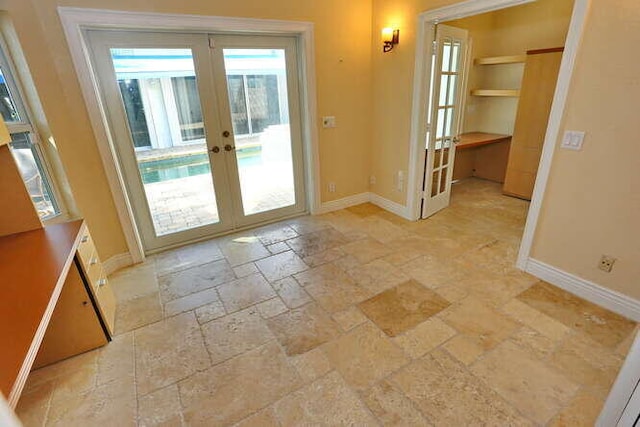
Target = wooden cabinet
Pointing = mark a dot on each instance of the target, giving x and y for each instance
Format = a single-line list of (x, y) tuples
[(536, 96), (74, 327)]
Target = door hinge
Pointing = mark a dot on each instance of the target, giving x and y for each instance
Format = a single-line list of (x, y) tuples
[(212, 44)]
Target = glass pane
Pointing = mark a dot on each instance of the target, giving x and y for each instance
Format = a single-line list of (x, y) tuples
[(437, 157), (446, 56), (434, 183), (445, 156), (452, 90), (185, 91), (455, 65), (443, 180), (263, 150), (440, 123), (449, 125), (238, 104), (444, 87), (31, 168), (160, 94), (7, 105)]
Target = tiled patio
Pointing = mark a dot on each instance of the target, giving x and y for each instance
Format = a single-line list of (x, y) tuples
[(356, 317)]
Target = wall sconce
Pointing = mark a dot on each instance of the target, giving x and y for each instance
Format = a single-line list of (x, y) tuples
[(390, 38)]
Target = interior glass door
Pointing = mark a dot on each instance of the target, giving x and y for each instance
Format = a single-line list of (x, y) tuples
[(445, 116), (262, 134), (162, 126)]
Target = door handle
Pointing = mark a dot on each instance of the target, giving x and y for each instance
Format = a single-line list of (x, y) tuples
[(456, 139), (215, 149), (229, 147)]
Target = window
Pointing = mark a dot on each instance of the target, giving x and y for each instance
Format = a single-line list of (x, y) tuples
[(25, 144)]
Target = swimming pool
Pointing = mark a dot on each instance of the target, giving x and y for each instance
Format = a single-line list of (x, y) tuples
[(191, 165)]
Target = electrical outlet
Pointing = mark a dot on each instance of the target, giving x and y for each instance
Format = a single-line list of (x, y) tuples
[(328, 122), (332, 187), (606, 263), (399, 181), (372, 180)]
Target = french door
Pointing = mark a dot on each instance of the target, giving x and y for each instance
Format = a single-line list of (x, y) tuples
[(445, 107), (206, 128)]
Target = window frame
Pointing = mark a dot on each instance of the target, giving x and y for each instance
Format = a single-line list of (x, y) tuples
[(26, 125)]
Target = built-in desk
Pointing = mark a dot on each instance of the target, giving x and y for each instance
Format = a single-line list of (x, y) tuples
[(46, 300), (483, 155)]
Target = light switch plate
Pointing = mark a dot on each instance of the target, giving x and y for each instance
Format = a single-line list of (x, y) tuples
[(572, 140)]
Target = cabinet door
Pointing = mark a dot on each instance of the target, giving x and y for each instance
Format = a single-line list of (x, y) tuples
[(536, 97), (74, 327)]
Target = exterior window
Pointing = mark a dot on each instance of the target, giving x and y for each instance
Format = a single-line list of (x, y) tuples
[(25, 145)]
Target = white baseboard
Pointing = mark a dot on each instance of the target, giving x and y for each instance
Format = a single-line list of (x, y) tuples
[(346, 202), (607, 298), (117, 262), (393, 207)]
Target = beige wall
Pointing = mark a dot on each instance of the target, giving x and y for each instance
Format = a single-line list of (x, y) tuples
[(342, 30), (592, 204)]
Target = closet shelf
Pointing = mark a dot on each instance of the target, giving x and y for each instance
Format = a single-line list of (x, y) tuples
[(497, 60), (513, 93)]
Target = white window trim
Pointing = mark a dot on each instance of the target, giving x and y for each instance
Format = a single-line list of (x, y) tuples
[(26, 125), (76, 20)]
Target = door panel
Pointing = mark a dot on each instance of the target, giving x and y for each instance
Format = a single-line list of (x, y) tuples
[(263, 124), (164, 132), (448, 72)]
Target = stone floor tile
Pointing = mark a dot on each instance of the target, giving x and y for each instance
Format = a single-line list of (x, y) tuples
[(327, 401), (391, 406), (273, 234), (116, 360), (364, 355), (263, 418), (187, 256), (477, 320), (536, 320), (331, 287), (113, 403), (160, 408), (291, 292), (245, 270), (447, 394), (228, 392), (134, 282), (425, 337), (401, 308), (534, 342), (278, 248), (464, 348), (530, 385), (317, 242), (366, 250), (583, 410), (279, 266), (311, 365), (323, 257), (303, 329), (138, 312), (168, 351), (599, 324), (243, 249), (349, 318), (245, 292), (210, 312), (235, 334), (271, 308), (195, 279), (33, 406), (191, 302), (377, 276)]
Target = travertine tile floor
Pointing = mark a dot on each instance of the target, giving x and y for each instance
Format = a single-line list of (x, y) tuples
[(352, 318)]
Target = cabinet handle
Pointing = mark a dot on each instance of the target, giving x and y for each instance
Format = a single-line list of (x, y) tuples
[(102, 282), (84, 239), (93, 261)]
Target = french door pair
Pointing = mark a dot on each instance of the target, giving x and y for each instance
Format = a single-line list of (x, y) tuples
[(206, 128)]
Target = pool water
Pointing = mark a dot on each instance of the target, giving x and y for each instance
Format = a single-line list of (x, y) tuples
[(190, 165)]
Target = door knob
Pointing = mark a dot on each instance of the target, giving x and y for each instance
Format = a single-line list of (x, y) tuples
[(229, 147), (456, 140), (215, 149), (226, 134)]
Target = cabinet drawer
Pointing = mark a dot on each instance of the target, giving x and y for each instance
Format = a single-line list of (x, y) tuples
[(86, 249), (106, 301), (94, 270)]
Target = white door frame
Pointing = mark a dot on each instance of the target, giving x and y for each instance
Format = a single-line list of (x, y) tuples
[(76, 20), (424, 43)]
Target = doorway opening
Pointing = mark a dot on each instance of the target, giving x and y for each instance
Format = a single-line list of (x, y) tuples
[(506, 111)]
